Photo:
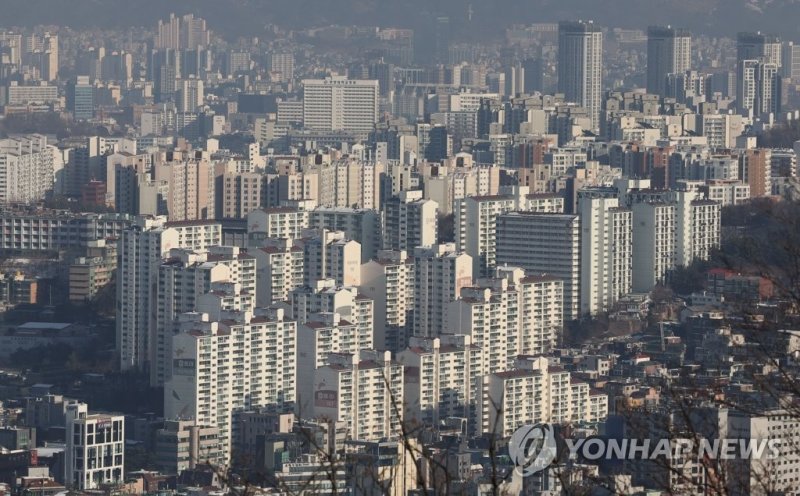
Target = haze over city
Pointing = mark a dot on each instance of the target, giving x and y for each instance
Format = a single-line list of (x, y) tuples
[(399, 248)]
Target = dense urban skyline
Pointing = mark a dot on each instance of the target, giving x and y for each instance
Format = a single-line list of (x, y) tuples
[(359, 248)]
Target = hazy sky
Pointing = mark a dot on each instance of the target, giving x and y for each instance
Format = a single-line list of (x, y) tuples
[(246, 17)]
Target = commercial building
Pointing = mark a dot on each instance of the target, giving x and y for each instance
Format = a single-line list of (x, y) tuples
[(340, 104), (182, 445), (669, 51), (543, 243), (580, 65), (94, 455)]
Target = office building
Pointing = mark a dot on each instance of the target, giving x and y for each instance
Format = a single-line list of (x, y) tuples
[(94, 455), (475, 221), (669, 51), (182, 445), (80, 98), (543, 243), (340, 104), (580, 65), (758, 46)]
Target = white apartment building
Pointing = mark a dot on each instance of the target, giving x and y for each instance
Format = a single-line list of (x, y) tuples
[(321, 335), (510, 315), (654, 239), (706, 228), (340, 104), (721, 130), (536, 392), (197, 235), (94, 455), (183, 277), (365, 390), (38, 230), (279, 270), (242, 362), (606, 251), (190, 95), (330, 255), (447, 184), (277, 222), (442, 378), (326, 296), (191, 184), (347, 182), (440, 274), (543, 243), (140, 250), (31, 93), (359, 224), (409, 221), (389, 281), (727, 192), (27, 168), (242, 192), (475, 221), (698, 224)]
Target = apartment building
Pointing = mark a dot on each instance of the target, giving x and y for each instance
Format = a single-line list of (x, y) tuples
[(242, 362), (365, 390)]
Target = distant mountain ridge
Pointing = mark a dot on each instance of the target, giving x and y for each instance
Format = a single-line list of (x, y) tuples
[(233, 18)]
